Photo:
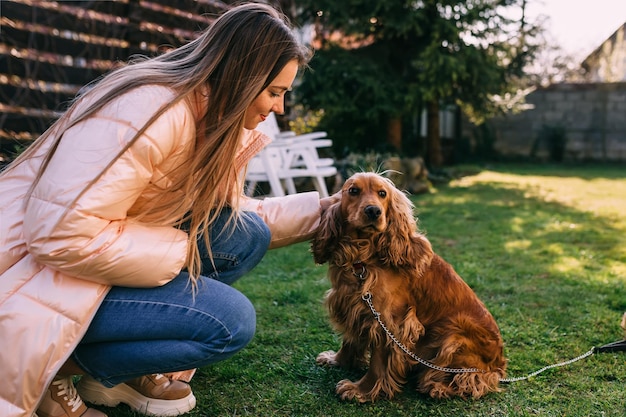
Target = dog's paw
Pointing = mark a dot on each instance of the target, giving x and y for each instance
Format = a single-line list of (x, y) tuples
[(327, 358), (348, 390)]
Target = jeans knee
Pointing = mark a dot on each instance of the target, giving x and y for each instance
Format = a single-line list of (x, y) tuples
[(244, 326), (235, 251)]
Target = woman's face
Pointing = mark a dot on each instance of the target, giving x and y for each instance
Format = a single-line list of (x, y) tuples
[(272, 99)]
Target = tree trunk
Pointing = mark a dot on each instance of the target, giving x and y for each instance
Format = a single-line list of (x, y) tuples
[(433, 140), (394, 133)]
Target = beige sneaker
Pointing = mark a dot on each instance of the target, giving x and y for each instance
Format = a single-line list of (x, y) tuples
[(154, 395), (62, 400)]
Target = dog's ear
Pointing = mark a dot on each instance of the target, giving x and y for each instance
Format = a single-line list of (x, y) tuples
[(328, 234), (401, 245)]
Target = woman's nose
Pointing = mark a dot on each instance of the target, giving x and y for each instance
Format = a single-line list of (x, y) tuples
[(279, 106)]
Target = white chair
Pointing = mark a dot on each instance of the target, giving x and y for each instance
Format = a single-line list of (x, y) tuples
[(289, 156), (265, 167), (270, 128)]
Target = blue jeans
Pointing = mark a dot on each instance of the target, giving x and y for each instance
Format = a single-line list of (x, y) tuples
[(140, 331)]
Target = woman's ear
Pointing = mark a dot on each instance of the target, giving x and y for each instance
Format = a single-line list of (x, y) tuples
[(328, 234)]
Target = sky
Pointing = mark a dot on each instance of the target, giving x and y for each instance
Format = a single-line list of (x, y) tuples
[(579, 26)]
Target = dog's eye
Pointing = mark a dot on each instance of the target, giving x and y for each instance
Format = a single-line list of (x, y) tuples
[(353, 191), (382, 193)]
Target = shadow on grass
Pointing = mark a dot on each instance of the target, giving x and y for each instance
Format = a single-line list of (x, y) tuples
[(553, 276), (501, 235), (586, 171)]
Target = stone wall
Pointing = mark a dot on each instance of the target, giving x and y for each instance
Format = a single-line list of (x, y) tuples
[(591, 116)]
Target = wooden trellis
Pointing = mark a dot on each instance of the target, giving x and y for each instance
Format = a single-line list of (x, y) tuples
[(51, 49)]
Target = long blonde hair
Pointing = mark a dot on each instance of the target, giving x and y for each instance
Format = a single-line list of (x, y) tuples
[(233, 60)]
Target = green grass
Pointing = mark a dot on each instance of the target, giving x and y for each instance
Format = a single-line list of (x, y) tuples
[(543, 246)]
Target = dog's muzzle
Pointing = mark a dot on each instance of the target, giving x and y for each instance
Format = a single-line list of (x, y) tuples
[(372, 212)]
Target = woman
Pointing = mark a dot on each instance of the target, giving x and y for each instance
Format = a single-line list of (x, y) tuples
[(123, 224)]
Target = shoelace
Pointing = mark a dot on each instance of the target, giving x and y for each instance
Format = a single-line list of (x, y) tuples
[(156, 379), (66, 388)]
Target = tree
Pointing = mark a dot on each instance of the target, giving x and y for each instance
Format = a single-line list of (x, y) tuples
[(379, 62)]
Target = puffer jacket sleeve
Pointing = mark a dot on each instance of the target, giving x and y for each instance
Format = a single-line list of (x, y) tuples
[(92, 238), (291, 219)]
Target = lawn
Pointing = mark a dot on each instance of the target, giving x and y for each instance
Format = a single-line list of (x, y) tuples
[(543, 246)]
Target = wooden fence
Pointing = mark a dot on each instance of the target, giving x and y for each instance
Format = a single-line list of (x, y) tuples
[(50, 49)]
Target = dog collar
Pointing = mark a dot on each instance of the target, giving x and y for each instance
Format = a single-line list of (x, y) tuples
[(358, 269)]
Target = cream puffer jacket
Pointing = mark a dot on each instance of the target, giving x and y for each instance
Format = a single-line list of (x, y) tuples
[(54, 275)]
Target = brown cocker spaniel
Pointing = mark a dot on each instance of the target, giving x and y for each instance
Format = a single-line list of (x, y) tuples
[(371, 243)]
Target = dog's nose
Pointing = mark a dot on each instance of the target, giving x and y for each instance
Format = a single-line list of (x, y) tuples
[(372, 212)]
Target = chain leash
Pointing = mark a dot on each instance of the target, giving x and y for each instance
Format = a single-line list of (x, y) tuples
[(367, 297), (545, 368)]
